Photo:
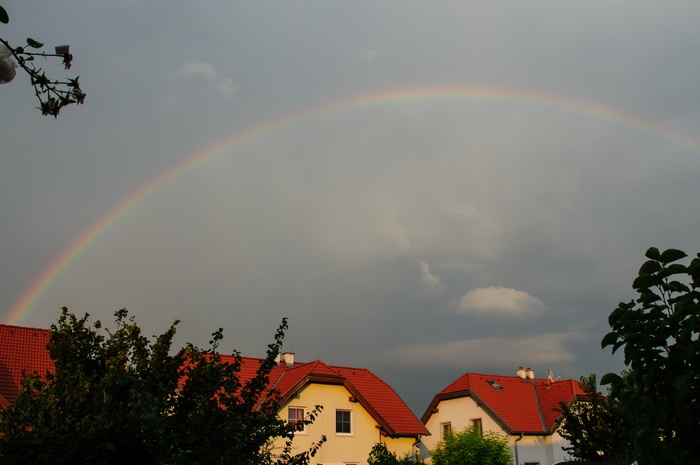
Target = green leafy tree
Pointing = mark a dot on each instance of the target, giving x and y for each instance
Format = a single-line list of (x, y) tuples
[(381, 455), (472, 447), (52, 94), (120, 398), (595, 427), (659, 333)]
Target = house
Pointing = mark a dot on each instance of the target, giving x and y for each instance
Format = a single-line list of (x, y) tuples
[(522, 407), (359, 409), (22, 351)]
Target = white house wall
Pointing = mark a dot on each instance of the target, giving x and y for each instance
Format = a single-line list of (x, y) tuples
[(544, 450)]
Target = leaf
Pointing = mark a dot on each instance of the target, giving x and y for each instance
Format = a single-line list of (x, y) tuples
[(644, 281), (671, 255), (649, 267), (675, 268), (676, 286), (617, 313), (610, 378), (3, 16), (609, 340), (33, 43), (636, 338), (653, 253)]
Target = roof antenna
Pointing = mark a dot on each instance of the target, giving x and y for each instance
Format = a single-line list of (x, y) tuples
[(550, 377)]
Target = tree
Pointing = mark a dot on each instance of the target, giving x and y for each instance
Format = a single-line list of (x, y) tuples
[(381, 455), (118, 397), (595, 427), (660, 336), (52, 94), (472, 447)]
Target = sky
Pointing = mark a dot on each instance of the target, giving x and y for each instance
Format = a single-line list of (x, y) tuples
[(422, 188)]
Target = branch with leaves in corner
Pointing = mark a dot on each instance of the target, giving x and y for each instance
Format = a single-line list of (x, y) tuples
[(659, 334), (52, 94)]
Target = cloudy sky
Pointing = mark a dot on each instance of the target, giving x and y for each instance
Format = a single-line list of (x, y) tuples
[(423, 188)]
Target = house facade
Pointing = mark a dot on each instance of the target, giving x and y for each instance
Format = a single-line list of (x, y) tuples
[(522, 407), (359, 409)]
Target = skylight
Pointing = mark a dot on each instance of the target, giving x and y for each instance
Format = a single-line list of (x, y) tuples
[(494, 384)]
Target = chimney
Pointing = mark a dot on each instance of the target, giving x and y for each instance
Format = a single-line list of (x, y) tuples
[(277, 359), (521, 372), (288, 359), (530, 373)]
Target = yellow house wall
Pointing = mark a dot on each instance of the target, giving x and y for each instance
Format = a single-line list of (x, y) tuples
[(545, 449), (350, 448)]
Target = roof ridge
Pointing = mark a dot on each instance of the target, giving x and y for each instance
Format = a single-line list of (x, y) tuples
[(33, 328), (346, 367), (538, 401)]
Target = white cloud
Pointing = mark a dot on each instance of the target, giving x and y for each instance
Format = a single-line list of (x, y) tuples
[(501, 302), (542, 350), (431, 282), (225, 87), (207, 72)]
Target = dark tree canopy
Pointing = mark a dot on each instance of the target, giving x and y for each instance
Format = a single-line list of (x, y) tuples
[(120, 398), (595, 427), (659, 333)]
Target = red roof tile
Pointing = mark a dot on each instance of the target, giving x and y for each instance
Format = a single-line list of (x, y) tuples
[(519, 405), (394, 415), (22, 351), (551, 394)]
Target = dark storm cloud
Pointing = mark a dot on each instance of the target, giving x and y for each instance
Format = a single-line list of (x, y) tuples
[(394, 236)]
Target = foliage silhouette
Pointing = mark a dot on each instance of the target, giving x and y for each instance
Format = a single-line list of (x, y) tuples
[(53, 95), (595, 427), (117, 397), (659, 333)]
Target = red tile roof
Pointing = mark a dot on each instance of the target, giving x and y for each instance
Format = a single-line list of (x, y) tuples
[(525, 406), (22, 351)]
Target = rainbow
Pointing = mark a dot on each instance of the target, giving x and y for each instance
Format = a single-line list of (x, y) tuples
[(459, 93)]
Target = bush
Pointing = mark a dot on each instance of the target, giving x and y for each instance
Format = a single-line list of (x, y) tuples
[(472, 447)]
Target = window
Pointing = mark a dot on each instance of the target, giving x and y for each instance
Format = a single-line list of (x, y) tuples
[(342, 422), (476, 423), (295, 417), (445, 429)]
